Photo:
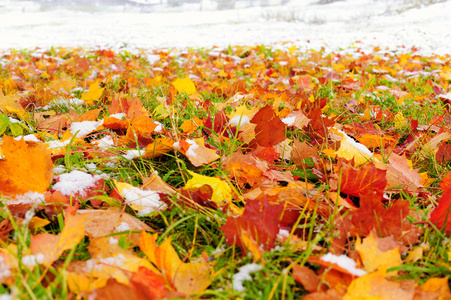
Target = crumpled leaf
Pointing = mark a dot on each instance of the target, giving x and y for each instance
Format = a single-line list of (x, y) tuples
[(25, 167), (222, 192)]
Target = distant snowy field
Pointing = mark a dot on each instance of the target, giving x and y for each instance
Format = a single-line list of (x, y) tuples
[(338, 26)]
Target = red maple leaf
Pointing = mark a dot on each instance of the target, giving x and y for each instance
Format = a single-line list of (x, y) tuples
[(270, 129), (386, 221), (359, 181), (261, 223)]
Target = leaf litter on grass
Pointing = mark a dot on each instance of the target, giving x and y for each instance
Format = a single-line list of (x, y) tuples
[(286, 174)]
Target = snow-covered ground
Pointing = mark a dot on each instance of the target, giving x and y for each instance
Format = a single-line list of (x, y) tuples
[(348, 25)]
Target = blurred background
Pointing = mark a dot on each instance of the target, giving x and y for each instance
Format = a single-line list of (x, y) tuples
[(332, 25)]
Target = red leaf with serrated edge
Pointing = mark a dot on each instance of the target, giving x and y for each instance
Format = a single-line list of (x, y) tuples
[(358, 181), (386, 221), (261, 222), (270, 129)]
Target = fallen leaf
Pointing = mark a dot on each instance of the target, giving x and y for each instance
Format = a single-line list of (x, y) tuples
[(93, 94), (184, 85), (373, 258), (187, 278), (222, 193), (25, 167), (270, 129)]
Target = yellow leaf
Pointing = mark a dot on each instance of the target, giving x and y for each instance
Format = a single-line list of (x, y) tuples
[(37, 222), (446, 75), (189, 126), (400, 120), (349, 149), (222, 193), (65, 83), (93, 93), (292, 49), (417, 253), (78, 283), (184, 86), (187, 278), (373, 258), (251, 245), (161, 112), (10, 104)]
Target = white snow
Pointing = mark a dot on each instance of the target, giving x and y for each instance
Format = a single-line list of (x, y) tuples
[(131, 154), (124, 226), (344, 262), (143, 201), (5, 270), (347, 25), (57, 144), (84, 128), (64, 102), (112, 241), (239, 120), (75, 182), (59, 169), (244, 274), (28, 138), (104, 143), (118, 116), (289, 121), (31, 260), (191, 150), (28, 198)]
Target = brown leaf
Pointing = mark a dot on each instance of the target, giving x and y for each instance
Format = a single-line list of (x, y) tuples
[(301, 151)]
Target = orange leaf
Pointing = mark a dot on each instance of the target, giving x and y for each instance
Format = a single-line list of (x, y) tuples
[(187, 278), (52, 246), (375, 286), (26, 167)]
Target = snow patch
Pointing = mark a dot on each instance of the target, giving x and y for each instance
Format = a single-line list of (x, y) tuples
[(244, 274), (239, 120), (143, 201), (344, 262), (75, 182), (84, 128)]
